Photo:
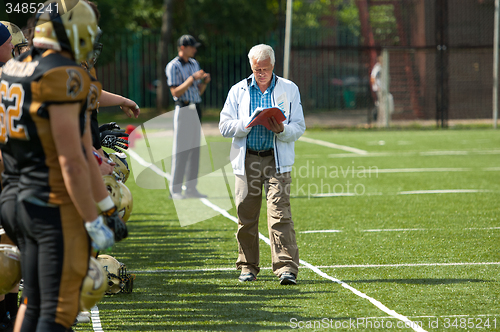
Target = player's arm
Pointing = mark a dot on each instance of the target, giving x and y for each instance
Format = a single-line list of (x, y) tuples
[(128, 106), (66, 133), (99, 191), (64, 125)]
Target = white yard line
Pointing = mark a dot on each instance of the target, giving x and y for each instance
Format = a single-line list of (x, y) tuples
[(443, 191), (411, 153), (96, 320), (396, 230), (333, 145)]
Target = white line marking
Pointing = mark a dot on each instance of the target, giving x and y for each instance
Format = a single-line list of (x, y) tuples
[(413, 170), (221, 269), (443, 191), (333, 145), (413, 153), (323, 231), (396, 230), (96, 320), (378, 304), (333, 195), (153, 167), (479, 315)]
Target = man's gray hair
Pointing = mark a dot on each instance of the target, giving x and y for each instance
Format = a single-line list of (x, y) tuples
[(261, 52)]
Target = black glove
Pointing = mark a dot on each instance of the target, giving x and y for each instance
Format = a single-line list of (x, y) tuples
[(110, 126), (116, 224), (111, 139)]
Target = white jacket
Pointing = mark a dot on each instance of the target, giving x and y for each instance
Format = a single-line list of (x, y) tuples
[(236, 114)]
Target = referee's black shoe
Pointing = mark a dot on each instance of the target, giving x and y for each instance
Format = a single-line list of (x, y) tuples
[(193, 193)]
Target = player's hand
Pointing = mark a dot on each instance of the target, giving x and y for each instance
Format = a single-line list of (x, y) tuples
[(130, 108), (114, 222), (102, 237), (110, 126), (112, 139), (106, 168)]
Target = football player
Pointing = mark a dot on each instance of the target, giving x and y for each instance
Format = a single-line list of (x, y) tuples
[(107, 135), (9, 302), (47, 93), (6, 46), (19, 41)]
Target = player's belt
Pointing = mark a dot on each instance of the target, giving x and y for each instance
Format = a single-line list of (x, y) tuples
[(181, 103), (265, 153)]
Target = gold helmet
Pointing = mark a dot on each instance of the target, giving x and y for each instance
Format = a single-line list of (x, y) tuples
[(10, 265), (127, 203), (94, 285), (118, 278), (68, 25), (18, 39), (121, 170), (114, 189)]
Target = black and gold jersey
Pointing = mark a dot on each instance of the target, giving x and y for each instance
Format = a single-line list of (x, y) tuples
[(29, 84), (94, 108)]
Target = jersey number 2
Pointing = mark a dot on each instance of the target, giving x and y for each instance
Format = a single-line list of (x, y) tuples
[(14, 95)]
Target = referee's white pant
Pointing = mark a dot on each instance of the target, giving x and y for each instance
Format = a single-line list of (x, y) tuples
[(186, 149)]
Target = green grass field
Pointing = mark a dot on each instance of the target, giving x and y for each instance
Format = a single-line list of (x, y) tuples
[(415, 215)]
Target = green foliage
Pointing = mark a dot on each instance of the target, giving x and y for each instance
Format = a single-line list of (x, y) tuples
[(384, 24)]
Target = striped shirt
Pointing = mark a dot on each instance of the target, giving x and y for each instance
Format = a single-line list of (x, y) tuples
[(260, 138), (177, 72)]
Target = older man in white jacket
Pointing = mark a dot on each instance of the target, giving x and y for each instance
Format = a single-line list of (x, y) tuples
[(262, 157)]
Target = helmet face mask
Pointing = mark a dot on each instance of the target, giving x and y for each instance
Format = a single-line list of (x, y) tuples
[(121, 170), (74, 31), (119, 281), (114, 189)]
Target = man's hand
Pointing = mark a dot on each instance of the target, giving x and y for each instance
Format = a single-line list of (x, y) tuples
[(101, 235), (106, 168), (114, 222), (276, 127), (130, 108), (206, 78), (199, 74)]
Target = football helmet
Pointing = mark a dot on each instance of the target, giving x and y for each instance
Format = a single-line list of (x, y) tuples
[(121, 170), (68, 25), (18, 39), (94, 285), (10, 265), (114, 189), (119, 281), (88, 65), (127, 203)]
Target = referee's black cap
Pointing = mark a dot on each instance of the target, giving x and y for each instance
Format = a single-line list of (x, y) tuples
[(187, 40)]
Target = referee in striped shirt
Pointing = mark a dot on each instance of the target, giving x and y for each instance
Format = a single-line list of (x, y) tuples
[(187, 83)]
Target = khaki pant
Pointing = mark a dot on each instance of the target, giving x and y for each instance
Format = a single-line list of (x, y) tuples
[(261, 171)]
